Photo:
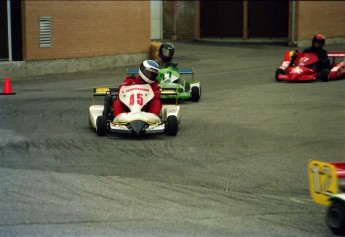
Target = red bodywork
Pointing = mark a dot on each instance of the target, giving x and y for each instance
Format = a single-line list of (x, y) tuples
[(303, 69), (340, 169)]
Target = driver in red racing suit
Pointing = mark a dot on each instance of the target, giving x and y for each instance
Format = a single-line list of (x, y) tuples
[(318, 42), (148, 72)]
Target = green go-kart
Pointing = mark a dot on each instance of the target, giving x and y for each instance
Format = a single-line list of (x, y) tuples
[(173, 86)]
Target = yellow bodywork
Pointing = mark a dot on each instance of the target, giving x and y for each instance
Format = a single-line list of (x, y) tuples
[(127, 122), (323, 181), (173, 92), (101, 90)]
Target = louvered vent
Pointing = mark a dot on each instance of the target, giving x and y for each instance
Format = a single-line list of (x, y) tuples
[(45, 32)]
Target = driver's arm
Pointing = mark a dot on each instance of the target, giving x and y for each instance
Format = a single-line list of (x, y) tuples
[(324, 60), (155, 88), (293, 58)]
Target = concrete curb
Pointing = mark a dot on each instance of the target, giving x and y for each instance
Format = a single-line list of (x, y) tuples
[(26, 69)]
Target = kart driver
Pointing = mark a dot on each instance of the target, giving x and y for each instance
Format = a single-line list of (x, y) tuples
[(166, 53), (318, 42), (148, 72)]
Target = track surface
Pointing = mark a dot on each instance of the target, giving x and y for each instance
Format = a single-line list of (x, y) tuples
[(236, 168)]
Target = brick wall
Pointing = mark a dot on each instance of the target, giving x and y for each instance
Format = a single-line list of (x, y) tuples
[(325, 17), (87, 28), (168, 19), (185, 19)]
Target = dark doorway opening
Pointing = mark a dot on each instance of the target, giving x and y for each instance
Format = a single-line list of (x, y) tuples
[(268, 19), (3, 31), (16, 31), (16, 24), (221, 18)]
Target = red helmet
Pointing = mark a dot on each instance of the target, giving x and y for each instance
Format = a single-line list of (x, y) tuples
[(319, 39)]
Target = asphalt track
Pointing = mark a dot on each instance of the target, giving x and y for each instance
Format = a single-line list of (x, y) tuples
[(237, 166)]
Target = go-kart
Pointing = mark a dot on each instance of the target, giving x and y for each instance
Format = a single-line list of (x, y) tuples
[(327, 187), (136, 121), (304, 68), (173, 86)]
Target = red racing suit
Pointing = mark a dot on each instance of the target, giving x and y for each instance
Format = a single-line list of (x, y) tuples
[(154, 106)]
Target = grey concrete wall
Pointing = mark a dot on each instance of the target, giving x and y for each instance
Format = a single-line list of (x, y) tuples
[(27, 69)]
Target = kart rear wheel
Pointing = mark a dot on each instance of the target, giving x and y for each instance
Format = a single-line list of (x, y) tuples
[(172, 125), (279, 71), (101, 126), (196, 93), (324, 75), (335, 218)]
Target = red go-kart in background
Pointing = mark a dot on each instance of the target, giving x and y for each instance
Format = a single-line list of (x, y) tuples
[(304, 68)]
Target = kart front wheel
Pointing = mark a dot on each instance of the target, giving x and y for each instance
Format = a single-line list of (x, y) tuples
[(172, 125), (335, 218), (101, 126), (279, 71), (196, 93)]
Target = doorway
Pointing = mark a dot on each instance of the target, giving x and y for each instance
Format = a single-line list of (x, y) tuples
[(244, 19), (268, 19), (16, 29), (3, 31), (221, 18), (15, 52)]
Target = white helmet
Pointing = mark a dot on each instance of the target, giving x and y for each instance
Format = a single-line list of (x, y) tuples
[(148, 71)]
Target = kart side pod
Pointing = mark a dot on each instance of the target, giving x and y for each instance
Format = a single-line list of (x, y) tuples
[(327, 187), (171, 110)]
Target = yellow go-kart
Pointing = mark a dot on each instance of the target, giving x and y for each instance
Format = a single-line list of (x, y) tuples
[(327, 187)]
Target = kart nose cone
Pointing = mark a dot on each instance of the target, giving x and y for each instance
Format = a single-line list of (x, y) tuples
[(137, 126)]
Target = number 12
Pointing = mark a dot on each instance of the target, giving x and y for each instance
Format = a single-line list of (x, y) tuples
[(322, 187)]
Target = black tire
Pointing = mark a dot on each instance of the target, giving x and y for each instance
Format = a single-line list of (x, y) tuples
[(172, 125), (324, 75), (279, 71), (108, 101), (196, 93), (101, 126), (335, 217)]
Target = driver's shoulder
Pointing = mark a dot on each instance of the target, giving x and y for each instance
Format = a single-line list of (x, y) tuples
[(308, 50)]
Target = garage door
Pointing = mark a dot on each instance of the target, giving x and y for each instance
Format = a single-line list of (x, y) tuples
[(268, 19), (221, 18)]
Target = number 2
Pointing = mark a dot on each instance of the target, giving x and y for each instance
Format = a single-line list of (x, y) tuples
[(140, 99)]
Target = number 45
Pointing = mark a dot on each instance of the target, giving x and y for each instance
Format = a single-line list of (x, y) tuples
[(139, 99)]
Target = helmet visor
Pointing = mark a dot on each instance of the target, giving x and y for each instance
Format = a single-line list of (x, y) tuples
[(166, 52), (319, 41), (150, 74)]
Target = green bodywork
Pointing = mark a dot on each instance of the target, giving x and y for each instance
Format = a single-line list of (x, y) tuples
[(170, 82)]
